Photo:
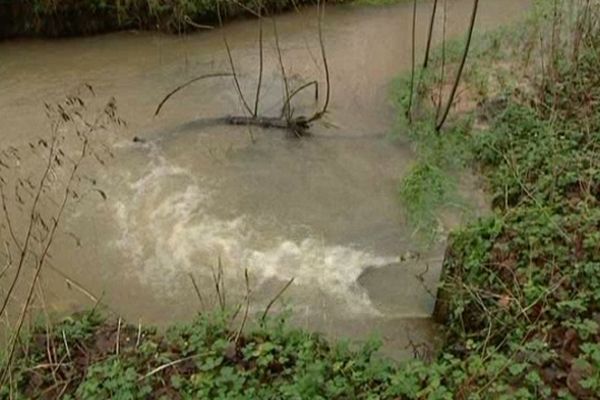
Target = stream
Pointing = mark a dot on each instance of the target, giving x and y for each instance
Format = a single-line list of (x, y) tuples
[(323, 210)]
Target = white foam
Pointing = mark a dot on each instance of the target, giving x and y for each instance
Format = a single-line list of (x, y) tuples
[(167, 235)]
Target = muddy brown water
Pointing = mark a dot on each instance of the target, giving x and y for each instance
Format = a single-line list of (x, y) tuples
[(323, 210)]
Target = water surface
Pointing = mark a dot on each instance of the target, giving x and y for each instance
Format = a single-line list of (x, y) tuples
[(322, 210)]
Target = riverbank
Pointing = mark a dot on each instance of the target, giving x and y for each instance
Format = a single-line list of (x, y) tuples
[(520, 290), (49, 18)]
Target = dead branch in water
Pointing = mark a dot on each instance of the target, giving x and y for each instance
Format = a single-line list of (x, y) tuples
[(299, 126)]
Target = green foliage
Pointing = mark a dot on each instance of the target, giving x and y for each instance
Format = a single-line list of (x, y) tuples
[(589, 361), (111, 379), (431, 184), (521, 288), (423, 191), (524, 284), (75, 17), (203, 360), (82, 326)]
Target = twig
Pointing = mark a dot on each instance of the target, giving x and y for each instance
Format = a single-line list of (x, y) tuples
[(47, 365), (63, 390), (245, 7), (189, 21), (320, 114), (118, 342), (298, 90), (244, 319), (430, 34), (186, 84), (441, 122), (83, 290), (66, 344), (421, 278), (231, 63), (197, 290), (413, 58), (217, 278), (443, 67), (168, 365), (139, 334), (261, 60), (274, 299), (50, 346), (284, 110)]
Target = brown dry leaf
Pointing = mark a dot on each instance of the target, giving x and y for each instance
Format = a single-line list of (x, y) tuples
[(504, 301)]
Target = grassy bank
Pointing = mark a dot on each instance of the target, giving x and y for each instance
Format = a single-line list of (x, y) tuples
[(57, 18), (207, 359), (520, 295)]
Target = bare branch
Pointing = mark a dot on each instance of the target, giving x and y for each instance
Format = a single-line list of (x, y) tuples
[(443, 67), (261, 60), (246, 309), (441, 122), (186, 84), (197, 290), (413, 57), (189, 21), (285, 109), (231, 63), (289, 98), (430, 34), (274, 299), (320, 114)]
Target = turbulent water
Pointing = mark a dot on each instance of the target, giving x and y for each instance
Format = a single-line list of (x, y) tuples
[(322, 210)]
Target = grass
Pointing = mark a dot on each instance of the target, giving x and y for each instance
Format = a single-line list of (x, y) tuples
[(432, 183)]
